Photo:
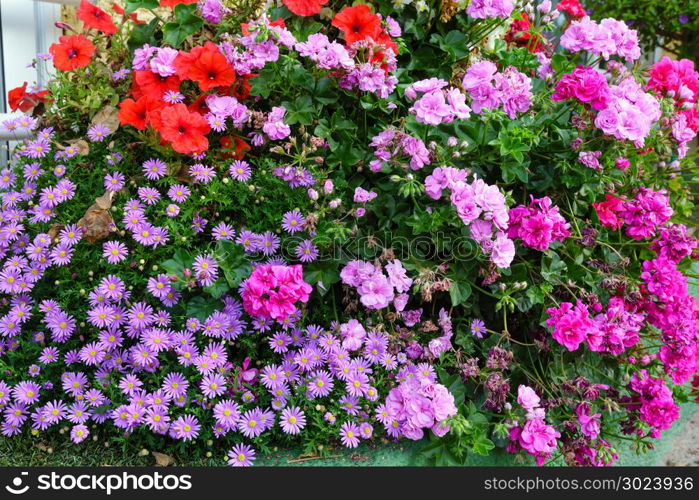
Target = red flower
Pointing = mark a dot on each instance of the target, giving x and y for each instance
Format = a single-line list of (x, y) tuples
[(72, 52), (607, 211), (572, 8), (94, 17), (241, 88), (19, 98), (120, 10), (172, 3), (520, 35), (357, 23), (186, 131), (304, 8), (206, 66), (153, 85), (233, 148), (137, 113)]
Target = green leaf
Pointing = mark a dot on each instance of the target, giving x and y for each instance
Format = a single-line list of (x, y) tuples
[(186, 23), (180, 261), (300, 111), (142, 34), (325, 272), (218, 288), (132, 5), (233, 261), (325, 92), (201, 308), (482, 445), (459, 292)]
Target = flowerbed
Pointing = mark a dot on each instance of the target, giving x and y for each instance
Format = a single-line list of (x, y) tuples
[(327, 223)]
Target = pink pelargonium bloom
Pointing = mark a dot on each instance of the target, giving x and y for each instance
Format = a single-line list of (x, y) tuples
[(272, 291)]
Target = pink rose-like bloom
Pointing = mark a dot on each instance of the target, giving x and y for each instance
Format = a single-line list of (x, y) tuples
[(432, 109), (538, 224), (275, 127), (571, 325), (353, 334), (376, 292), (272, 291), (538, 439), (586, 85), (527, 398)]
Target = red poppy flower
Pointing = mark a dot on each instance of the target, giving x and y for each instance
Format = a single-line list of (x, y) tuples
[(94, 17), (206, 66), (186, 131), (19, 98), (172, 3), (572, 8), (234, 148), (72, 52), (520, 36), (357, 23), (153, 85), (304, 8)]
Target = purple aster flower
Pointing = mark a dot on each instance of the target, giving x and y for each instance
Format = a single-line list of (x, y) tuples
[(97, 133), (114, 251), (223, 231), (148, 195), (240, 171), (178, 193), (185, 428), (249, 240), (114, 182), (172, 210), (293, 221), (241, 455), (154, 169), (306, 251), (213, 385), (478, 328), (292, 420), (349, 434), (269, 243), (321, 384), (173, 97), (26, 392), (250, 424)]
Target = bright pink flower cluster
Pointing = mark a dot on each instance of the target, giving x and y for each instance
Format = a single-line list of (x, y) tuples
[(490, 89), (678, 79), (538, 224), (642, 215), (420, 403), (657, 407), (630, 112), (618, 328), (585, 84), (536, 437), (480, 206), (272, 291), (571, 324), (606, 38)]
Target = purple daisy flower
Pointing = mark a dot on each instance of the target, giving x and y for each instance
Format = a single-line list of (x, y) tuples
[(223, 231), (178, 193), (249, 240), (185, 428), (114, 182), (269, 243), (114, 251), (293, 221), (306, 251), (292, 420), (241, 455), (154, 169), (240, 171), (98, 133), (478, 328), (349, 434)]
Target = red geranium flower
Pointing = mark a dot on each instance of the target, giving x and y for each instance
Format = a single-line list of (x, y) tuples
[(94, 17), (357, 23), (206, 66), (72, 52), (607, 211), (19, 98), (572, 8), (136, 113), (234, 148), (304, 8), (153, 85), (186, 131), (519, 34), (172, 3)]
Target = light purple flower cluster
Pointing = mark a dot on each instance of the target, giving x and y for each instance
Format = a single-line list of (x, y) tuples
[(223, 107), (377, 290), (536, 437), (437, 105), (393, 146), (480, 206), (419, 403), (490, 89), (482, 9), (607, 38), (629, 112)]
